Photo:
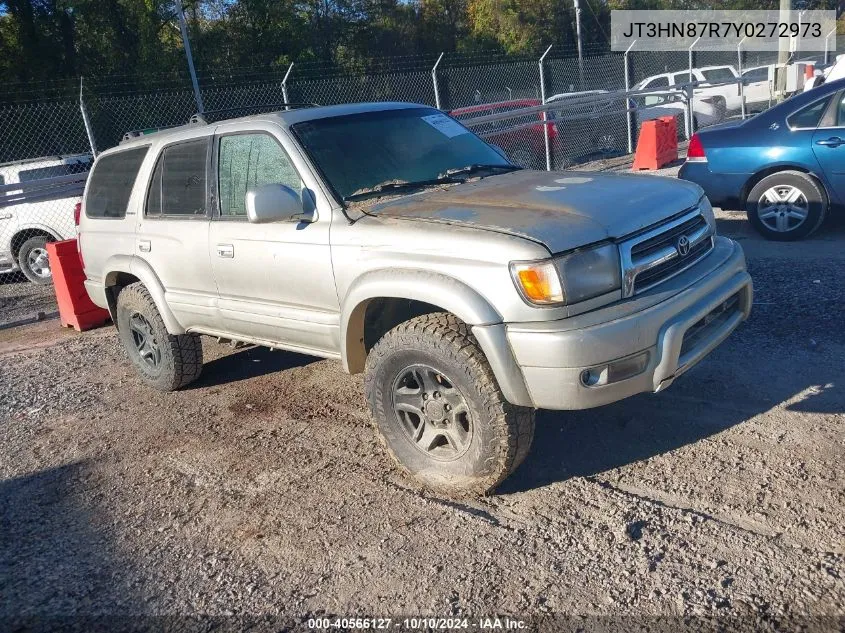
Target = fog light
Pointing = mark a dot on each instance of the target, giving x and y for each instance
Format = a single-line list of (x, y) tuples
[(615, 371)]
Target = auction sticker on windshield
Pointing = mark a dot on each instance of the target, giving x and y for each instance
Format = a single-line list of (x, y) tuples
[(445, 125)]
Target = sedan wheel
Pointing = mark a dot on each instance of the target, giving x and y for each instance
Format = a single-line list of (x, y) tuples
[(783, 208), (787, 205)]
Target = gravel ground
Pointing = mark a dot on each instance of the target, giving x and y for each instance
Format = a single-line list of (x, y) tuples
[(262, 490), (21, 299)]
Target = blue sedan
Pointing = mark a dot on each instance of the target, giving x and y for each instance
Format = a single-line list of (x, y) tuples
[(785, 166)]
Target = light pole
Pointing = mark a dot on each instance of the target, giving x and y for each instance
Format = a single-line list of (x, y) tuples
[(580, 47), (187, 44)]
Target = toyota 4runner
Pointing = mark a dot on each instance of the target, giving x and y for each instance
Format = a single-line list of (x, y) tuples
[(469, 291)]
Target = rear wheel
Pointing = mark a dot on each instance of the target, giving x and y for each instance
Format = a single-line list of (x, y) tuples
[(164, 361), (33, 261), (439, 410), (786, 206)]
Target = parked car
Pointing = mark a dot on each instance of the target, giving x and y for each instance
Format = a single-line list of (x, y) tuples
[(757, 86), (831, 72), (590, 125), (723, 97), (784, 166), (37, 212), (525, 146), (386, 235)]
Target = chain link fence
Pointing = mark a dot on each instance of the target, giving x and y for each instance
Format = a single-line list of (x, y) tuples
[(46, 148)]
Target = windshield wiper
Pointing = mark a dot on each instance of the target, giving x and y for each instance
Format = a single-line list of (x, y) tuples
[(472, 169), (392, 185)]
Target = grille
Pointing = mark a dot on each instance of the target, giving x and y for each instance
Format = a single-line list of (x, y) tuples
[(665, 270), (669, 238)]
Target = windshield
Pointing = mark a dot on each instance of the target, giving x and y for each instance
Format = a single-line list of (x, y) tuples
[(359, 151)]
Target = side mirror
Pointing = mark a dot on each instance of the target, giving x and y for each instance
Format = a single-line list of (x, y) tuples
[(275, 203)]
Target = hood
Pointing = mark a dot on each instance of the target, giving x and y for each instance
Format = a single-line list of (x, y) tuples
[(561, 210)]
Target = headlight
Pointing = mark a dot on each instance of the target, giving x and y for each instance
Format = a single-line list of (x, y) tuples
[(707, 212), (570, 278)]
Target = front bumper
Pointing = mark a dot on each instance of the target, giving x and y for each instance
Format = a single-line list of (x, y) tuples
[(676, 324)]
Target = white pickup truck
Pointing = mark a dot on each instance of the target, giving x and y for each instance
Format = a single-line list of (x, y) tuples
[(724, 96)]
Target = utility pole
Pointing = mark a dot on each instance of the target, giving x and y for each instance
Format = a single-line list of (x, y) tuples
[(580, 48), (187, 44), (783, 52)]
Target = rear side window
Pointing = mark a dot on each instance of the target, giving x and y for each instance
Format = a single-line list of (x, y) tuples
[(178, 186), (809, 116), (657, 82), (717, 75), (111, 182)]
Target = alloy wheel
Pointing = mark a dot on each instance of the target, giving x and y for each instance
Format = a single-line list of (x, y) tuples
[(145, 341), (432, 412), (39, 263), (783, 208)]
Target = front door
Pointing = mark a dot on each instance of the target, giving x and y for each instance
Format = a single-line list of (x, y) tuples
[(275, 280), (829, 146)]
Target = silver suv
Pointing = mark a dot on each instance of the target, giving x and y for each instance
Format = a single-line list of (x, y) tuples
[(469, 291)]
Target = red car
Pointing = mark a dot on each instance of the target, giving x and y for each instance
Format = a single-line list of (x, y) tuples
[(525, 146)]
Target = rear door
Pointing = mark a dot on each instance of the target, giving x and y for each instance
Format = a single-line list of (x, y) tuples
[(172, 235), (829, 145)]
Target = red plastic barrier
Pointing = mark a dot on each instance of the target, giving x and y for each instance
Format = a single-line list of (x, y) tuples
[(76, 309), (657, 145), (809, 71)]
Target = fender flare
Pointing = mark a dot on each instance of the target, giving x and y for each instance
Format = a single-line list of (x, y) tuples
[(142, 270), (443, 291)]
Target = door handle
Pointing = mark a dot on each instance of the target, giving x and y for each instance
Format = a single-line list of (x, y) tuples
[(145, 246), (225, 250), (833, 141), (6, 216)]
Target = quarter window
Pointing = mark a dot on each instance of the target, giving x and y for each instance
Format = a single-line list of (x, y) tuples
[(111, 182), (247, 161), (657, 82), (178, 186), (840, 112), (809, 116)]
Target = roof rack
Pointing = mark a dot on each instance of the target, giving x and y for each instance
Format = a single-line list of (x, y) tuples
[(133, 134), (200, 117)]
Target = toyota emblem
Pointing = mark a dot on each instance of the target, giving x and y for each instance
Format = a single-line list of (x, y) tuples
[(682, 246)]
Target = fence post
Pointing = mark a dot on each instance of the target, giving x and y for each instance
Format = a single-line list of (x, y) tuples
[(434, 81), (183, 27), (689, 120), (628, 114), (826, 47), (543, 99), (285, 86), (739, 69), (87, 122)]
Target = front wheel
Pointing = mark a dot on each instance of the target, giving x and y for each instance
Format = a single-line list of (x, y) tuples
[(786, 206), (439, 409)]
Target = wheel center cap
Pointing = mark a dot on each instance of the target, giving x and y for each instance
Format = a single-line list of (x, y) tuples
[(435, 411)]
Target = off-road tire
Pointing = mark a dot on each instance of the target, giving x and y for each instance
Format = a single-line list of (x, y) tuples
[(39, 241), (817, 200), (501, 432), (181, 355)]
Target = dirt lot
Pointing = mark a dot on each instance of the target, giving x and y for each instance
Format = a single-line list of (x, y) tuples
[(262, 489)]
